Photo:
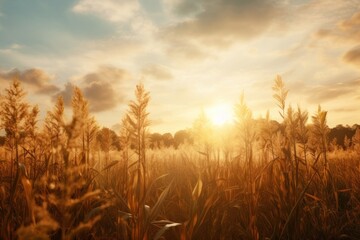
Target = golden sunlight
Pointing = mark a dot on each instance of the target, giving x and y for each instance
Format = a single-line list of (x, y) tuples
[(180, 119), (220, 114)]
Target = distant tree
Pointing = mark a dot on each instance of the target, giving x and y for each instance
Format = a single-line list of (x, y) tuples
[(167, 139), (158, 140), (108, 140), (341, 132), (105, 139), (356, 140), (181, 137), (13, 113), (155, 140)]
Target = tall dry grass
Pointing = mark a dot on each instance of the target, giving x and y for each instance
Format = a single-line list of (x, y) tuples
[(259, 179)]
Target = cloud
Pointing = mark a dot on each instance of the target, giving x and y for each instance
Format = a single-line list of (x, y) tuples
[(220, 23), (346, 30), (98, 88), (48, 89), (37, 79), (351, 27), (186, 52), (353, 56), (157, 72), (130, 17), (344, 109), (101, 96), (183, 7), (111, 10), (202, 29), (116, 127), (66, 93), (15, 46), (325, 91), (331, 91), (107, 74), (157, 121)]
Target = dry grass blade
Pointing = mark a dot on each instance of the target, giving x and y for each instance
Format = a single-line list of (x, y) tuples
[(153, 183), (313, 197), (83, 227), (110, 165), (87, 195), (164, 229), (28, 193), (197, 189), (203, 153), (97, 211), (296, 205), (154, 211)]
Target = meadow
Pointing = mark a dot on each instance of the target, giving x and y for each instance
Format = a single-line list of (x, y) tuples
[(253, 179)]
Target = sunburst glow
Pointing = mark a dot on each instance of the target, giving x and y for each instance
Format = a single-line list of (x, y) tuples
[(220, 114)]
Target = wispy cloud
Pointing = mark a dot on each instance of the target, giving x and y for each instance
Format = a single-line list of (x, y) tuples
[(220, 23), (346, 30), (16, 46), (353, 56), (347, 33), (111, 10), (128, 15), (38, 80), (326, 91), (157, 72), (66, 94), (100, 88)]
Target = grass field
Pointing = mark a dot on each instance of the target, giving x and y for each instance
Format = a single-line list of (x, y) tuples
[(254, 179)]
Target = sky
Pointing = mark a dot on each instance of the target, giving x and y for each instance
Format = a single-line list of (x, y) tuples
[(191, 55)]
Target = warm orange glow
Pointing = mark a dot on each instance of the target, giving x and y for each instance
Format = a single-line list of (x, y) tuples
[(220, 114)]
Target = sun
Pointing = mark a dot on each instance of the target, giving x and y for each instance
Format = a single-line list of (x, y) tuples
[(220, 114)]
